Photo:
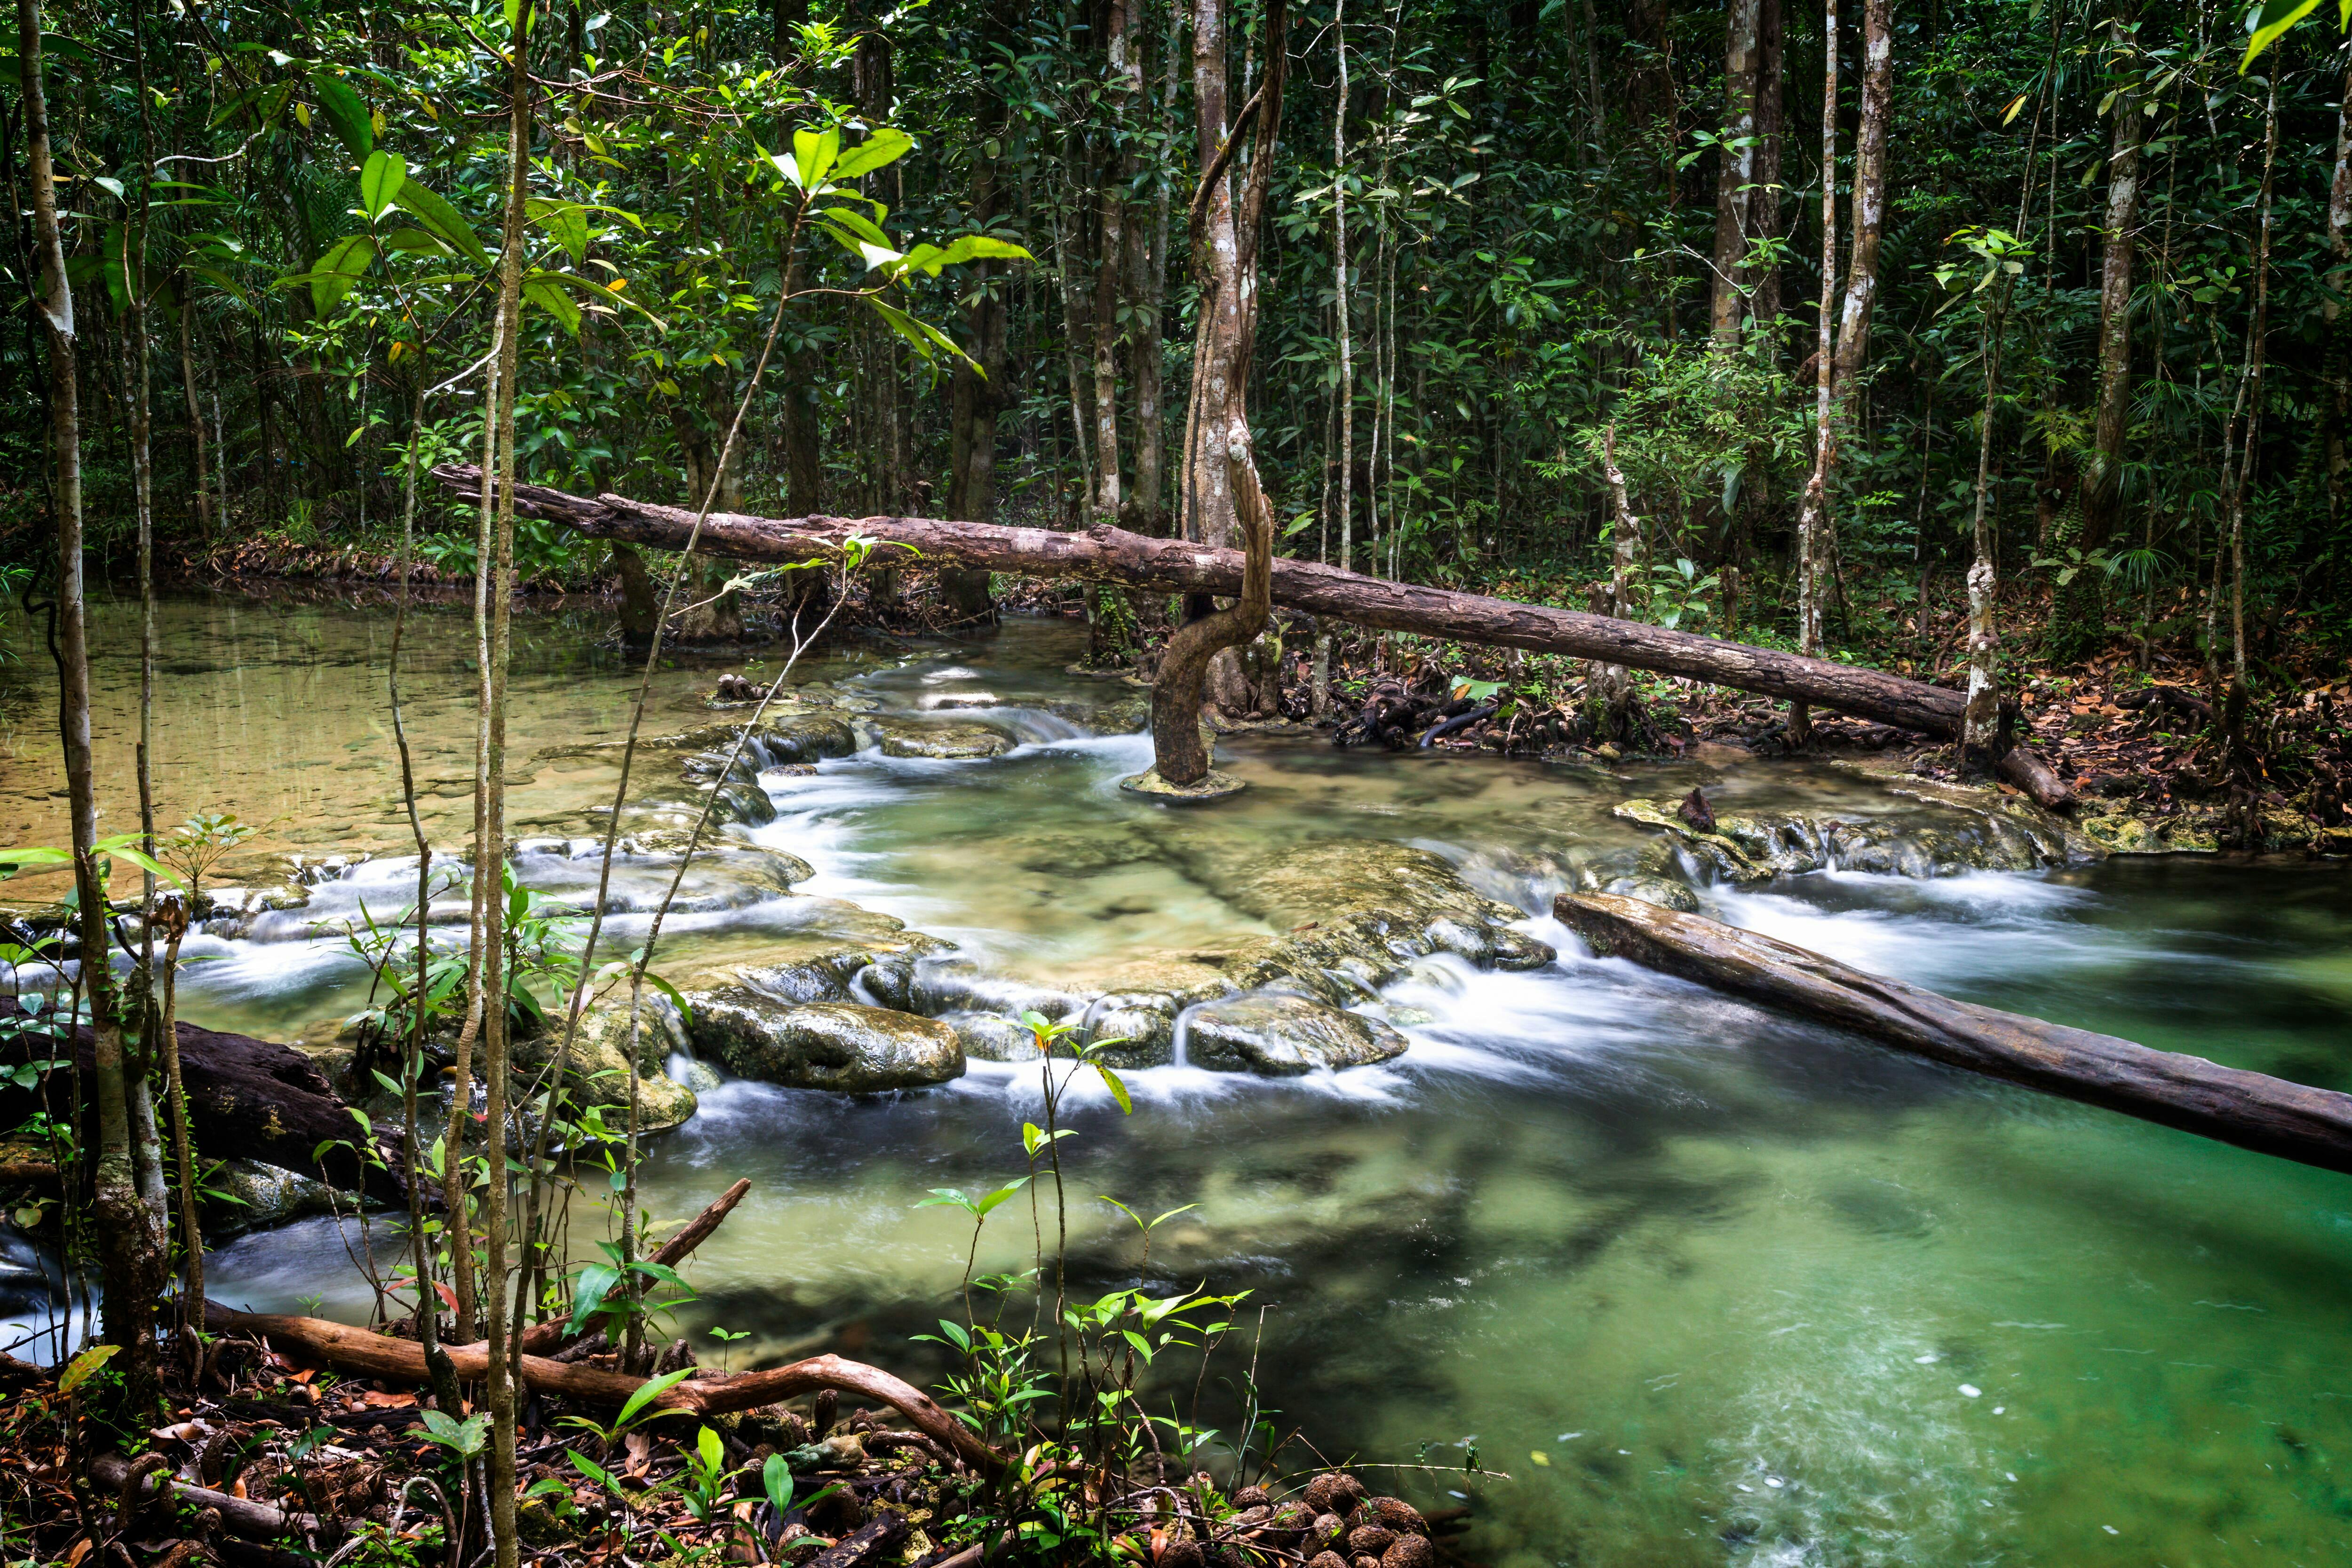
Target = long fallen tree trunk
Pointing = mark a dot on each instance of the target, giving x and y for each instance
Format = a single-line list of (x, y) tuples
[(2251, 1110), (359, 1352), (1108, 554)]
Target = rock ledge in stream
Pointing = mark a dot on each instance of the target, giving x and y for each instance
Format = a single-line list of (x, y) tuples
[(1755, 849), (1278, 1036), (841, 1045)]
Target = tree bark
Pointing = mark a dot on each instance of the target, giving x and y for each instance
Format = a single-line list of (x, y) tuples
[(1812, 508), (1869, 202), (1222, 495), (200, 497), (130, 1252), (2251, 1110), (2339, 409), (1735, 177), (1765, 203), (2079, 615)]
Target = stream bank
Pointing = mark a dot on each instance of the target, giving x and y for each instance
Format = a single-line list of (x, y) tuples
[(1585, 1210)]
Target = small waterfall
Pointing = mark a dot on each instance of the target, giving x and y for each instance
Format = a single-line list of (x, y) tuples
[(1180, 1036)]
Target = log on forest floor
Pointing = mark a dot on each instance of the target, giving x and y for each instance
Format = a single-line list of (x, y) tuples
[(1108, 554), (359, 1352), (2251, 1110), (253, 1098)]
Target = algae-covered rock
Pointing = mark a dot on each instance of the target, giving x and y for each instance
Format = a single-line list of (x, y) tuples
[(840, 1046), (1280, 1036), (991, 1036), (599, 1069), (938, 742), (246, 1195), (803, 737), (1741, 849), (1661, 891)]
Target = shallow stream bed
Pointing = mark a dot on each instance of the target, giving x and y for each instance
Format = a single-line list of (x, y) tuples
[(1713, 1286)]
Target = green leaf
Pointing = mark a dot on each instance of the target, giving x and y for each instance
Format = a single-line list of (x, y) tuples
[(348, 115), (380, 180), (880, 148), (776, 1481), (78, 1371), (339, 270), (857, 223), (712, 1451), (588, 1292), (441, 219), (814, 155), (2272, 22), (597, 1473), (650, 1392), (998, 1196), (541, 290), (566, 221), (1118, 1089), (981, 247), (925, 337)]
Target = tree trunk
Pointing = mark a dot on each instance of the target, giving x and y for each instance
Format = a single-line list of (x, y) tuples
[(1869, 203), (1608, 684), (977, 391), (200, 497), (2078, 618), (1982, 723), (1148, 248), (130, 1253), (1221, 482), (1813, 510), (2337, 415), (1735, 178), (1765, 203), (1345, 394), (2251, 1110)]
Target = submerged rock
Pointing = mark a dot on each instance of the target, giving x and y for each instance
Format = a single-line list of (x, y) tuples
[(938, 742), (246, 1195), (841, 1046), (2123, 835), (1741, 849), (990, 1037), (1279, 1036)]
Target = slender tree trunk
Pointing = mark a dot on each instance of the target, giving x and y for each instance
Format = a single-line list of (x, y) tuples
[(2257, 357), (1735, 178), (1345, 394), (1610, 684), (2078, 618), (1148, 502), (977, 391), (2338, 411), (1115, 166), (129, 1253), (1765, 203), (1812, 512), (200, 497), (1980, 725), (1869, 205), (1221, 482)]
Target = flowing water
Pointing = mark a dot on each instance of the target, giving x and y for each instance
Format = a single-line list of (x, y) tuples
[(1711, 1286)]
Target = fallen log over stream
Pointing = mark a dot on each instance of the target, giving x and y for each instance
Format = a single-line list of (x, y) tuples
[(1108, 554), (359, 1353), (2251, 1110)]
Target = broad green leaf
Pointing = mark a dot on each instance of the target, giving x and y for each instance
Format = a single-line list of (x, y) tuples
[(776, 1481), (650, 1392), (380, 180), (880, 148), (78, 1371), (566, 221), (926, 339), (713, 1452), (346, 113), (1118, 1089), (436, 214), (541, 291), (981, 247), (813, 154), (857, 223), (2272, 20), (416, 242), (339, 270), (999, 1195), (588, 1292)]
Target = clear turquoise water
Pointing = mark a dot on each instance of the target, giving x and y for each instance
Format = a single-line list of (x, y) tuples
[(1711, 1287)]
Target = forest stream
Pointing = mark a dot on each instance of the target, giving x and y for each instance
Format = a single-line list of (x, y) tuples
[(1709, 1284)]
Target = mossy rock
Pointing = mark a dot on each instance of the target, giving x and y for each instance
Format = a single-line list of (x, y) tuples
[(840, 1046), (937, 742), (1212, 785), (1278, 1036), (2126, 835), (599, 1069)]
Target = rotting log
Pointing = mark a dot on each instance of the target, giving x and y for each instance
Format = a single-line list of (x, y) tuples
[(359, 1352), (1105, 553), (247, 1517), (547, 1338), (251, 1098), (2251, 1110)]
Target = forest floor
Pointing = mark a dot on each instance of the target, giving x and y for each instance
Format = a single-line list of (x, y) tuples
[(272, 1465)]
